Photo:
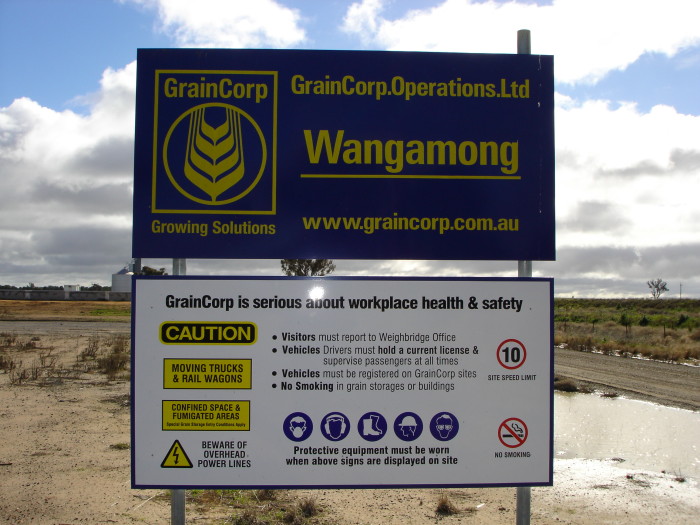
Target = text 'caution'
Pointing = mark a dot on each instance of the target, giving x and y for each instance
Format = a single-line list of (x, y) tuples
[(202, 333)]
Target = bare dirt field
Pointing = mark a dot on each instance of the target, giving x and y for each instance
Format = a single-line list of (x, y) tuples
[(64, 443)]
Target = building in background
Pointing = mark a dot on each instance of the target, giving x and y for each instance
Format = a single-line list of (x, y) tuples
[(121, 281)]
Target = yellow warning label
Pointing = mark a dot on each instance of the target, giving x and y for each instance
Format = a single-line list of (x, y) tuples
[(176, 457), (206, 415), (204, 333), (207, 373)]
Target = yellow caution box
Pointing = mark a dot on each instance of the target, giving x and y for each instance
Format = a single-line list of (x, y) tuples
[(228, 415), (206, 333), (207, 373)]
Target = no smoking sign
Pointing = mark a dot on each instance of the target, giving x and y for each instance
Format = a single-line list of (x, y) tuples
[(512, 432)]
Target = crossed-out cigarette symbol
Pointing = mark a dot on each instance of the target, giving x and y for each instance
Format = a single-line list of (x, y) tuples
[(512, 432)]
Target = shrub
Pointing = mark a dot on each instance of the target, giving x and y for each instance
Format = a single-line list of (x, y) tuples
[(308, 507), (299, 513), (112, 364), (7, 363), (682, 320), (565, 385), (119, 343), (247, 517), (8, 339), (266, 494), (90, 351), (445, 507)]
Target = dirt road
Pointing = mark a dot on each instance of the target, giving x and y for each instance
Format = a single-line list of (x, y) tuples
[(664, 383)]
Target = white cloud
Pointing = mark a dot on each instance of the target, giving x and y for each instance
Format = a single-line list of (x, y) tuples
[(609, 138), (223, 23), (589, 38), (66, 176), (364, 19), (44, 140), (626, 179), (623, 176), (638, 169)]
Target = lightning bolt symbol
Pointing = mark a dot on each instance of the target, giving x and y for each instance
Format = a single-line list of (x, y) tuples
[(176, 455)]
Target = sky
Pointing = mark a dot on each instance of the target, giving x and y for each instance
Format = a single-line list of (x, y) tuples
[(627, 126)]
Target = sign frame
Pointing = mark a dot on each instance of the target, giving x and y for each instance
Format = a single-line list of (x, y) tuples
[(203, 284), (454, 162)]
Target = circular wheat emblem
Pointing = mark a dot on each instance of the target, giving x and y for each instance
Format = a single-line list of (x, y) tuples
[(214, 154)]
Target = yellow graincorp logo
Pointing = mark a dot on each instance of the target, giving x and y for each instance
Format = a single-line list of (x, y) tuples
[(215, 153)]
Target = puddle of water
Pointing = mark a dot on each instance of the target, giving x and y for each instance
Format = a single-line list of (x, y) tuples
[(645, 435)]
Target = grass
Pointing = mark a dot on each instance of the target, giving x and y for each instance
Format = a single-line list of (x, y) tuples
[(445, 507), (611, 395), (637, 481), (114, 362), (678, 477), (299, 513), (256, 507), (661, 329), (565, 385), (109, 356), (110, 312), (248, 517), (31, 361), (91, 350), (43, 368)]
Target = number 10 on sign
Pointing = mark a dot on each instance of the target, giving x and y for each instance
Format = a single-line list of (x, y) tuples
[(511, 354)]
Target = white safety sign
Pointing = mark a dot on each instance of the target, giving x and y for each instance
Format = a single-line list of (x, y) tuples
[(341, 382)]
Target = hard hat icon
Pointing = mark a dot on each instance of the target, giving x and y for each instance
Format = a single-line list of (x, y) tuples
[(408, 426), (408, 421)]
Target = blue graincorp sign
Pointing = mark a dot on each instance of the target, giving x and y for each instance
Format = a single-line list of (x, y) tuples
[(344, 155)]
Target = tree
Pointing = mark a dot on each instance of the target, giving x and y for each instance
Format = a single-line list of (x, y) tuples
[(307, 267), (658, 287), (147, 270), (626, 321), (96, 288)]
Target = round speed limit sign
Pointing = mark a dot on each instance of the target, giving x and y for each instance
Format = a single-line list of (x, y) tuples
[(511, 354)]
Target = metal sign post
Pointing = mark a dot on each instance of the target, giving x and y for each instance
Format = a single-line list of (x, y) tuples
[(522, 512), (177, 496)]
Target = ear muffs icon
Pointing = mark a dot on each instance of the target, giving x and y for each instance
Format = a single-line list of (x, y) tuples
[(335, 426)]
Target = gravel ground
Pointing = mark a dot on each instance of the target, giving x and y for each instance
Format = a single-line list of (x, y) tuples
[(664, 383), (63, 458)]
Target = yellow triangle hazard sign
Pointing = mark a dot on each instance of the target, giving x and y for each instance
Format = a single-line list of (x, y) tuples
[(176, 457)]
